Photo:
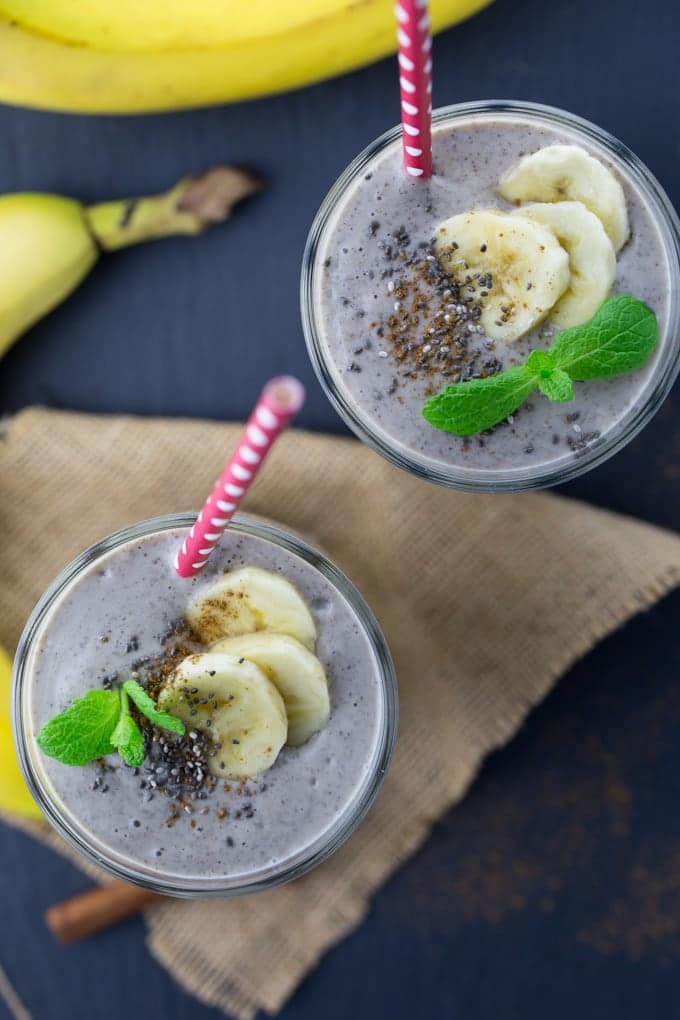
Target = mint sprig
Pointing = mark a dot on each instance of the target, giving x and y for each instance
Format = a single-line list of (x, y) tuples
[(147, 707), (100, 723), (619, 338), (553, 382)]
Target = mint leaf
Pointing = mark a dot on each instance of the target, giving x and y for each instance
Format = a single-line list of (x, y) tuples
[(128, 740), (83, 732), (474, 406), (147, 707), (619, 338), (99, 723), (556, 386), (541, 364), (127, 737), (553, 382)]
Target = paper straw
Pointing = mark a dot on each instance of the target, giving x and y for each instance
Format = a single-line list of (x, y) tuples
[(279, 401), (415, 83)]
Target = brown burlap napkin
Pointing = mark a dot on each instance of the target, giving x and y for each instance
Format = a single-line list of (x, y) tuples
[(485, 601)]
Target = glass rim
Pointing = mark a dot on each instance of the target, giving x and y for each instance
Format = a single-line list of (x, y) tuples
[(523, 479), (197, 888)]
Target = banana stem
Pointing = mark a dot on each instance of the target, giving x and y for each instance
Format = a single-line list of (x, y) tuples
[(188, 208)]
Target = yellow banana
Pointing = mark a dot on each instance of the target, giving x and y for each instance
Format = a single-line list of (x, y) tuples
[(126, 57), (48, 243), (45, 251), (14, 795)]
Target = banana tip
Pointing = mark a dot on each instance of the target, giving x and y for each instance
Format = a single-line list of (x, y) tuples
[(209, 197)]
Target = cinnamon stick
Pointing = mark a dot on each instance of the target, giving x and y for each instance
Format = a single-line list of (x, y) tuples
[(97, 909)]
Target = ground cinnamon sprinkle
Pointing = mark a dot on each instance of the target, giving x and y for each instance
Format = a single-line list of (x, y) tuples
[(646, 918), (214, 609), (178, 643), (178, 767), (539, 835), (433, 331)]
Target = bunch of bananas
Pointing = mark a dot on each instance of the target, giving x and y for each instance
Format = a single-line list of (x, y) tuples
[(129, 57)]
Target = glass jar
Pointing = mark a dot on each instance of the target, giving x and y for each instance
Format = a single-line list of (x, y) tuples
[(50, 787), (411, 455)]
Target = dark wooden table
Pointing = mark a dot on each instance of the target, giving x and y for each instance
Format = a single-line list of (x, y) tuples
[(554, 889)]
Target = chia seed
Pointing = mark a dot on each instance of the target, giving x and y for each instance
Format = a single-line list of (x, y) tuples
[(430, 303)]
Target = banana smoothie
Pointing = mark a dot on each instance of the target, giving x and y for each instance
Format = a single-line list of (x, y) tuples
[(258, 708), (531, 221)]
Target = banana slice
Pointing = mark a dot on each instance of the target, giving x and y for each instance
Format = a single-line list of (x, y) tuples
[(244, 711), (296, 673), (592, 259), (517, 267), (568, 173), (251, 599)]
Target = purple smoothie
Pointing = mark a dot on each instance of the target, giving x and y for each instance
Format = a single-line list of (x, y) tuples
[(111, 616), (357, 267)]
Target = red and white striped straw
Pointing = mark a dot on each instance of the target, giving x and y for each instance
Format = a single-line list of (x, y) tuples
[(279, 401), (415, 83)]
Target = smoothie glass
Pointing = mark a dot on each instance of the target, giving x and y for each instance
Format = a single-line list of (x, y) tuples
[(422, 450), (344, 807)]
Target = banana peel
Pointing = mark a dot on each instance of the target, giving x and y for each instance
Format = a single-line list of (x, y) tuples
[(14, 795), (92, 56)]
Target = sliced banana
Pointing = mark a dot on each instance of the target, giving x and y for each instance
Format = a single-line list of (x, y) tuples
[(244, 711), (560, 173), (516, 263), (296, 673), (247, 600), (592, 259)]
